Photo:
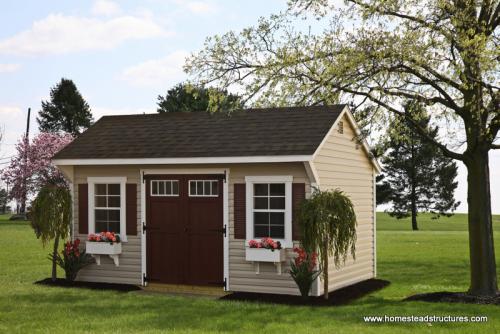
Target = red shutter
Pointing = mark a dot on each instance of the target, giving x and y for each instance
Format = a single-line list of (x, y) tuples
[(83, 208), (131, 208), (239, 211), (298, 195)]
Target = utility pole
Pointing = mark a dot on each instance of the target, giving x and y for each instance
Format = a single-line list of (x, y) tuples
[(25, 172)]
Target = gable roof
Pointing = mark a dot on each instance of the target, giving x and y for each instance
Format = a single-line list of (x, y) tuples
[(271, 132)]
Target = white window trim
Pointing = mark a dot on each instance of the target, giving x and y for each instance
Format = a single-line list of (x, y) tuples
[(164, 195), (203, 195), (287, 242), (122, 180)]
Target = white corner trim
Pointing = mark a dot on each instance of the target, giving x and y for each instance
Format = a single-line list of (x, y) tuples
[(374, 225), (287, 242), (176, 161), (122, 180), (347, 112)]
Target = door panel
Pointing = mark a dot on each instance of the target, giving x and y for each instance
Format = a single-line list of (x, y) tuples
[(184, 234)]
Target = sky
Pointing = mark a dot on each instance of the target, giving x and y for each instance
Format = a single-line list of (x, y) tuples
[(121, 55)]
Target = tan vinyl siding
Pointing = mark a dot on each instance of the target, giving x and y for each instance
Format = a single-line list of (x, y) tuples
[(242, 276), (129, 270), (340, 164)]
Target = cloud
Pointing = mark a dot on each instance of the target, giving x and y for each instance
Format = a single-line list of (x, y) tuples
[(8, 68), (59, 34), (105, 8), (163, 71), (201, 7)]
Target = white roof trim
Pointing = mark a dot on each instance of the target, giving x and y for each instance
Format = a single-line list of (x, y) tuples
[(177, 161), (364, 143)]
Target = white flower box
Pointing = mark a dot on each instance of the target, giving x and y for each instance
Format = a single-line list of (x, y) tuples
[(96, 249), (257, 255)]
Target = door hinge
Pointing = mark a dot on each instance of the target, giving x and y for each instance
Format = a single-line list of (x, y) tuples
[(225, 283), (225, 176), (224, 230), (145, 279), (144, 227)]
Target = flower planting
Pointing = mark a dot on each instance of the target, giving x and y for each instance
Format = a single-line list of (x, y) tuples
[(265, 243), (303, 270), (110, 237), (71, 259)]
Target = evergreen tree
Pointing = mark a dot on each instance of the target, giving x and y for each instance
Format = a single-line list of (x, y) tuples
[(419, 176), (67, 111), (383, 189), (4, 197), (188, 98)]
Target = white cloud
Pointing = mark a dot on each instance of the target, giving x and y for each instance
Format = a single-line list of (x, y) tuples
[(201, 7), (105, 8), (8, 68), (163, 71), (58, 34)]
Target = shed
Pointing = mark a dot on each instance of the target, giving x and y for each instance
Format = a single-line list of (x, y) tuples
[(188, 191)]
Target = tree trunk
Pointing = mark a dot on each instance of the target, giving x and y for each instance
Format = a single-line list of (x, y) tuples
[(414, 225), (54, 257), (482, 251), (325, 273)]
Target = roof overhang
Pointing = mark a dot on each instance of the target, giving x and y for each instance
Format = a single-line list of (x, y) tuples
[(178, 161)]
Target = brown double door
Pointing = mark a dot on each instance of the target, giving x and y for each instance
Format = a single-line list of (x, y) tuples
[(184, 229)]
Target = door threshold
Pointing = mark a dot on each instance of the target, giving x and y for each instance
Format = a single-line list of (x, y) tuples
[(215, 291)]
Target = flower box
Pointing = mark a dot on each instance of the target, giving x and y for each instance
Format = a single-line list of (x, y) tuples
[(265, 255), (96, 249)]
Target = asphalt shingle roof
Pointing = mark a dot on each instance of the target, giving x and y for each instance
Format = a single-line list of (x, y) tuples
[(253, 132)]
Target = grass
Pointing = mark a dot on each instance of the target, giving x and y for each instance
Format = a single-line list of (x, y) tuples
[(432, 259)]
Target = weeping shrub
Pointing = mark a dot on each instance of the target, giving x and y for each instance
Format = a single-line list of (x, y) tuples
[(51, 218), (328, 226)]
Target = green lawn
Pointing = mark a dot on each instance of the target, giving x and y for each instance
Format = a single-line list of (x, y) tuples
[(432, 259)]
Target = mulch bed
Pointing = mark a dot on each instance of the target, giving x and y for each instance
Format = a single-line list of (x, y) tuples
[(89, 285), (453, 297), (338, 297)]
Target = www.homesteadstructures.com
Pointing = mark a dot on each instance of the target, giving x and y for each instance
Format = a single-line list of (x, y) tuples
[(187, 191)]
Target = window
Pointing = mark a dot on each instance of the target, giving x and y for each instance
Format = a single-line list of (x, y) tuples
[(164, 188), (269, 208), (107, 205), (204, 188)]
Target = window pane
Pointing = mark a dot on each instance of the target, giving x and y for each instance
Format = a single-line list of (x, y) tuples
[(168, 188), (260, 202), (161, 188), (175, 187), (215, 188), (192, 187), (261, 231), (101, 226), (277, 218), (261, 218), (277, 203), (261, 189), (100, 201), (113, 201), (277, 189), (101, 215), (154, 185), (277, 232), (114, 215), (207, 188), (100, 189), (114, 227), (113, 189), (199, 187)]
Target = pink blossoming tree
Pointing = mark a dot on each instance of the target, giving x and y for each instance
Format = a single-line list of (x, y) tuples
[(30, 169)]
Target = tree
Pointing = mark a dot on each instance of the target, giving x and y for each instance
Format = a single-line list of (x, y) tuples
[(30, 169), (66, 111), (441, 53), (4, 198), (187, 98), (328, 224), (420, 176), (51, 218), (384, 190)]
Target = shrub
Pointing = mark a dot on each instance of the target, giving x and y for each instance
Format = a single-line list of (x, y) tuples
[(303, 270), (72, 259)]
